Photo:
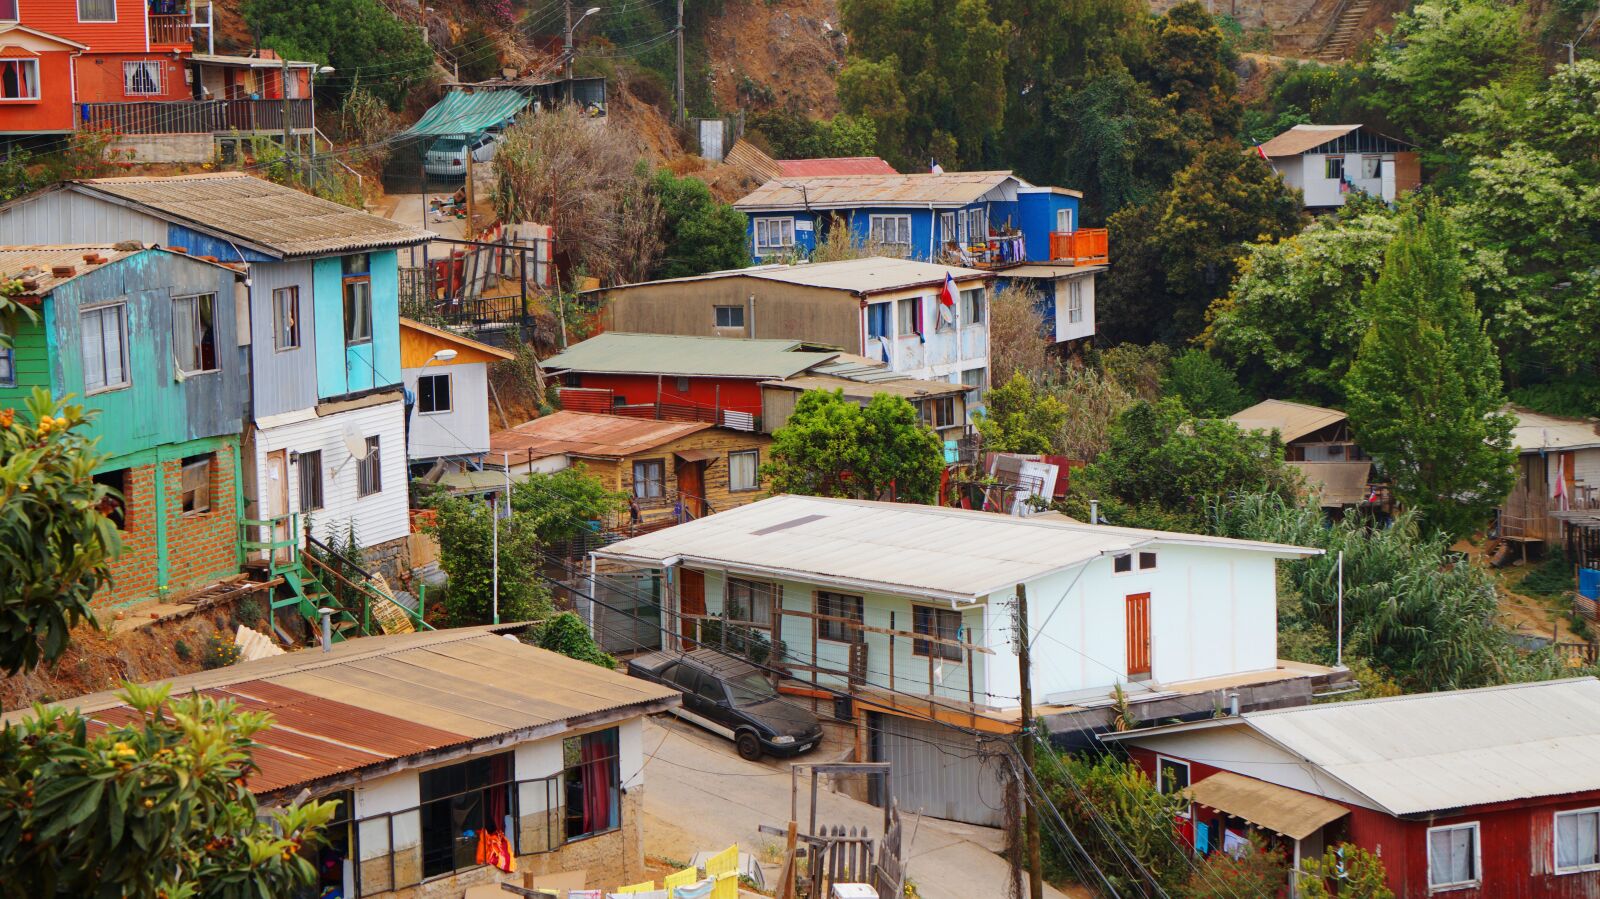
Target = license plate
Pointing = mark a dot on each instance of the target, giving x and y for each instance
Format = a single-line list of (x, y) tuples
[(805, 747)]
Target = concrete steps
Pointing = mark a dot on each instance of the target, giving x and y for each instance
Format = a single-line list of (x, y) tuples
[(1341, 41)]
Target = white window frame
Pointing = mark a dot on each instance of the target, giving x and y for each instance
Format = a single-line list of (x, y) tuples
[(79, 10), (1477, 857), (122, 347), (1064, 214), (33, 82), (948, 231), (755, 482), (972, 306), (907, 319), (1133, 564), (978, 225), (1162, 764), (715, 323), (767, 228), (1075, 301), (1327, 168), (1555, 840), (192, 303), (879, 228), (450, 390), (369, 471), (159, 79)]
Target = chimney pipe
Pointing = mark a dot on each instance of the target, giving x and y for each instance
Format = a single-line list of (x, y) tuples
[(1094, 511), (1233, 703), (327, 630)]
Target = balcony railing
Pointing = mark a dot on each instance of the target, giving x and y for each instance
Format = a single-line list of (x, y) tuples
[(197, 116), (1085, 246), (171, 29)]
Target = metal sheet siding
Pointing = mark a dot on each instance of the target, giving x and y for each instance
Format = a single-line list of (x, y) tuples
[(283, 381), (201, 244), (64, 217), (385, 318), (464, 430), (327, 296), (940, 771)]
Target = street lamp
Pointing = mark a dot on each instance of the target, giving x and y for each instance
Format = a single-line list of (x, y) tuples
[(315, 71), (567, 43)]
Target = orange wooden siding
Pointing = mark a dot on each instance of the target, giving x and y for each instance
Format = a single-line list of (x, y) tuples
[(1139, 634)]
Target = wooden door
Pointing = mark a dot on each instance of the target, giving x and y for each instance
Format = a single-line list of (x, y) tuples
[(277, 497), (692, 488), (1139, 634), (691, 600)]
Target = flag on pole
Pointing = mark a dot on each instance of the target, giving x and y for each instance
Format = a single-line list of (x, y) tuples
[(936, 168), (1260, 152), (947, 293)]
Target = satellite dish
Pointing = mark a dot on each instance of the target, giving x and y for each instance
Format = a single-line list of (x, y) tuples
[(355, 441)]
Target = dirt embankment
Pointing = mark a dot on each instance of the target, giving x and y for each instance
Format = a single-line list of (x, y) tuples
[(765, 55)]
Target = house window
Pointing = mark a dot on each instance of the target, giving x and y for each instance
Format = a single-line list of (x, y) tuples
[(8, 367), (1122, 564), (649, 479), (892, 231), (977, 227), (196, 495), (774, 235), (357, 299), (311, 481), (1064, 220), (1075, 300), (939, 412), (591, 783), (142, 78), (910, 317), (877, 321), (369, 474), (457, 801), (1333, 167), (1371, 167), (972, 306), (1453, 856), (433, 394), (944, 624), (105, 348), (114, 505), (975, 380), (286, 318), (1147, 561), (744, 470), (750, 602), (1172, 776), (97, 10), (8, 10), (839, 605), (194, 333), (1577, 841), (730, 316), (947, 227), (19, 79)]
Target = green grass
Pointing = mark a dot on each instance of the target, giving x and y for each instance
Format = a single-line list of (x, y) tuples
[(1551, 578)]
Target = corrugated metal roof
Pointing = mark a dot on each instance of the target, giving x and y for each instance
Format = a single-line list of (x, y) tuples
[(274, 219), (1301, 138), (1534, 431), (379, 699), (897, 548), (834, 165), (462, 113), (15, 262), (844, 191), (860, 277), (1292, 813), (254, 62), (749, 158), (615, 352), (1291, 420), (910, 388), (589, 434)]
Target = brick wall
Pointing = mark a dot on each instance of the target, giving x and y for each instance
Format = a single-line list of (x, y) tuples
[(201, 546)]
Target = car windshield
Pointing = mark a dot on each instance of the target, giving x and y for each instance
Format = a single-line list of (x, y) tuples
[(448, 145), (750, 689)]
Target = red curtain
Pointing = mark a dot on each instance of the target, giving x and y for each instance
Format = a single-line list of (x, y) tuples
[(495, 804), (598, 757)]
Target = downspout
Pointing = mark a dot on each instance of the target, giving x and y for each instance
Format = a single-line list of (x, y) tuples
[(752, 324), (933, 223)]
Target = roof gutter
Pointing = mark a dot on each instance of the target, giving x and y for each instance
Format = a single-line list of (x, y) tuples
[(792, 575)]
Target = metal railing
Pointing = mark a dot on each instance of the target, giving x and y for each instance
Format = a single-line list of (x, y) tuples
[(196, 116)]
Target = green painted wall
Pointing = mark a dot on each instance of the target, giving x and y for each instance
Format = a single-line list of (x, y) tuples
[(33, 363)]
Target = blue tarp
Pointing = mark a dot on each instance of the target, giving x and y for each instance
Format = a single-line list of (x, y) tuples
[(464, 113)]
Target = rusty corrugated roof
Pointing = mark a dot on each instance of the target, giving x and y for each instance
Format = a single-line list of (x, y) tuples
[(381, 699), (272, 218), (36, 263), (836, 165), (841, 191), (1301, 138), (589, 434)]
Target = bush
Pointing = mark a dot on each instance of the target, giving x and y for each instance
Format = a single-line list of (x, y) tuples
[(249, 610), (1116, 811), (181, 650), (1551, 578), (220, 652), (566, 633), (1258, 871), (1205, 386)]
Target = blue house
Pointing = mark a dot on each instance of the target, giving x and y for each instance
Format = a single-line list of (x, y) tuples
[(318, 316), (994, 221)]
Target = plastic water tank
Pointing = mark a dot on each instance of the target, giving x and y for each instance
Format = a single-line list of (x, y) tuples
[(1589, 582), (854, 891)]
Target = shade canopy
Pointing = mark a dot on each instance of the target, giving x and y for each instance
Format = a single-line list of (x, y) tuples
[(463, 113), (1292, 813)]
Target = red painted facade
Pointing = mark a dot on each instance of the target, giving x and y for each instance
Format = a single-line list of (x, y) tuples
[(1516, 843), (727, 394)]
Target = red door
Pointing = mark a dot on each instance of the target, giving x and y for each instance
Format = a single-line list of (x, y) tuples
[(1138, 634), (691, 600), (692, 488)]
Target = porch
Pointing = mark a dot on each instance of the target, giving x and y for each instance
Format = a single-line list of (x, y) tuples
[(1085, 246), (218, 117), (178, 23)]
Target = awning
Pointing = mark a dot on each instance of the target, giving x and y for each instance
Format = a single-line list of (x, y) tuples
[(699, 455), (463, 113), (1292, 813)]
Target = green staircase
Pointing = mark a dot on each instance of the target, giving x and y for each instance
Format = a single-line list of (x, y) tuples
[(362, 607)]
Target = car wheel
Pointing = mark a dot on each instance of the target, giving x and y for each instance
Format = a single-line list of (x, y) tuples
[(748, 745)]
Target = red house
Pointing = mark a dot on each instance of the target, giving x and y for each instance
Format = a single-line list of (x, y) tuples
[(1471, 794)]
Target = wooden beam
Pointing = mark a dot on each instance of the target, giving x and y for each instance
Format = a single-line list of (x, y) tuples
[(891, 632)]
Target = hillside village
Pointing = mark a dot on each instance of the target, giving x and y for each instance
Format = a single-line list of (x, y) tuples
[(946, 449)]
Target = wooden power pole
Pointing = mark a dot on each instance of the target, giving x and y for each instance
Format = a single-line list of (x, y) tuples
[(680, 63), (1030, 808)]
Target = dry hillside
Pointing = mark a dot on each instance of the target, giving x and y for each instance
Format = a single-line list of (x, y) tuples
[(765, 54)]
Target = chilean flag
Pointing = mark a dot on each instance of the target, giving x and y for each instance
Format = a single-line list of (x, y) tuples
[(947, 299), (1262, 153)]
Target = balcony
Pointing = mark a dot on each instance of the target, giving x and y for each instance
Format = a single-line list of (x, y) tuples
[(1085, 246), (197, 116), (174, 23)]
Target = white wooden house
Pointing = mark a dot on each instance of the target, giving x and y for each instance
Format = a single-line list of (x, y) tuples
[(1328, 163), (447, 394)]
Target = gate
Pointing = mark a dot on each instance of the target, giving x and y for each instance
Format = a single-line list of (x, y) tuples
[(944, 773)]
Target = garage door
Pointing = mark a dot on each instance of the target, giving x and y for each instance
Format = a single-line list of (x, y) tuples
[(941, 771)]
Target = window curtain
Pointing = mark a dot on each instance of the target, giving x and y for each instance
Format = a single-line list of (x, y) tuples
[(25, 89), (599, 758)]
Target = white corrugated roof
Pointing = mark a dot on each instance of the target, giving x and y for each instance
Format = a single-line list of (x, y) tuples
[(1291, 420), (896, 548), (1534, 432), (1432, 751), (872, 274), (846, 191)]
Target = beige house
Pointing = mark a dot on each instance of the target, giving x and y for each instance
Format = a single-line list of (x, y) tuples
[(1317, 442), (436, 742), (1558, 473)]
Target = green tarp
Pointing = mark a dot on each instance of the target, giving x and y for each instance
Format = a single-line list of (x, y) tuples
[(463, 113)]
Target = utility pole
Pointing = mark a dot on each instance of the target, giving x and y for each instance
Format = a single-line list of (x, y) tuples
[(566, 49), (1030, 809), (283, 88), (680, 63)]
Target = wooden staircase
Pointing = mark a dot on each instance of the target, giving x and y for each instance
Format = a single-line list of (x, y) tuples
[(1339, 39)]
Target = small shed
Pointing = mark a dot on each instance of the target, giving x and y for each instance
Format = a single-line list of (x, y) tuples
[(1327, 163), (1316, 441)]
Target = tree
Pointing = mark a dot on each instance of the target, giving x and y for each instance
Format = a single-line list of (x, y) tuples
[(55, 542), (1017, 344), (1118, 815), (1163, 466), (1193, 63), (1206, 387), (790, 135), (831, 447), (1424, 389), (562, 505), (1182, 250), (1354, 873), (702, 234), (1020, 418), (567, 634), (158, 806), (1114, 138), (1293, 321), (353, 36), (465, 528)]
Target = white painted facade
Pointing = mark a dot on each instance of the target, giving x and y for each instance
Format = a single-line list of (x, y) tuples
[(1371, 173), (378, 517), (1072, 295), (957, 352), (461, 431), (1213, 612)]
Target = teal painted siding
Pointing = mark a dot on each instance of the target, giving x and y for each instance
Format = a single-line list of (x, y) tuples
[(32, 357), (327, 287), (385, 318)]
